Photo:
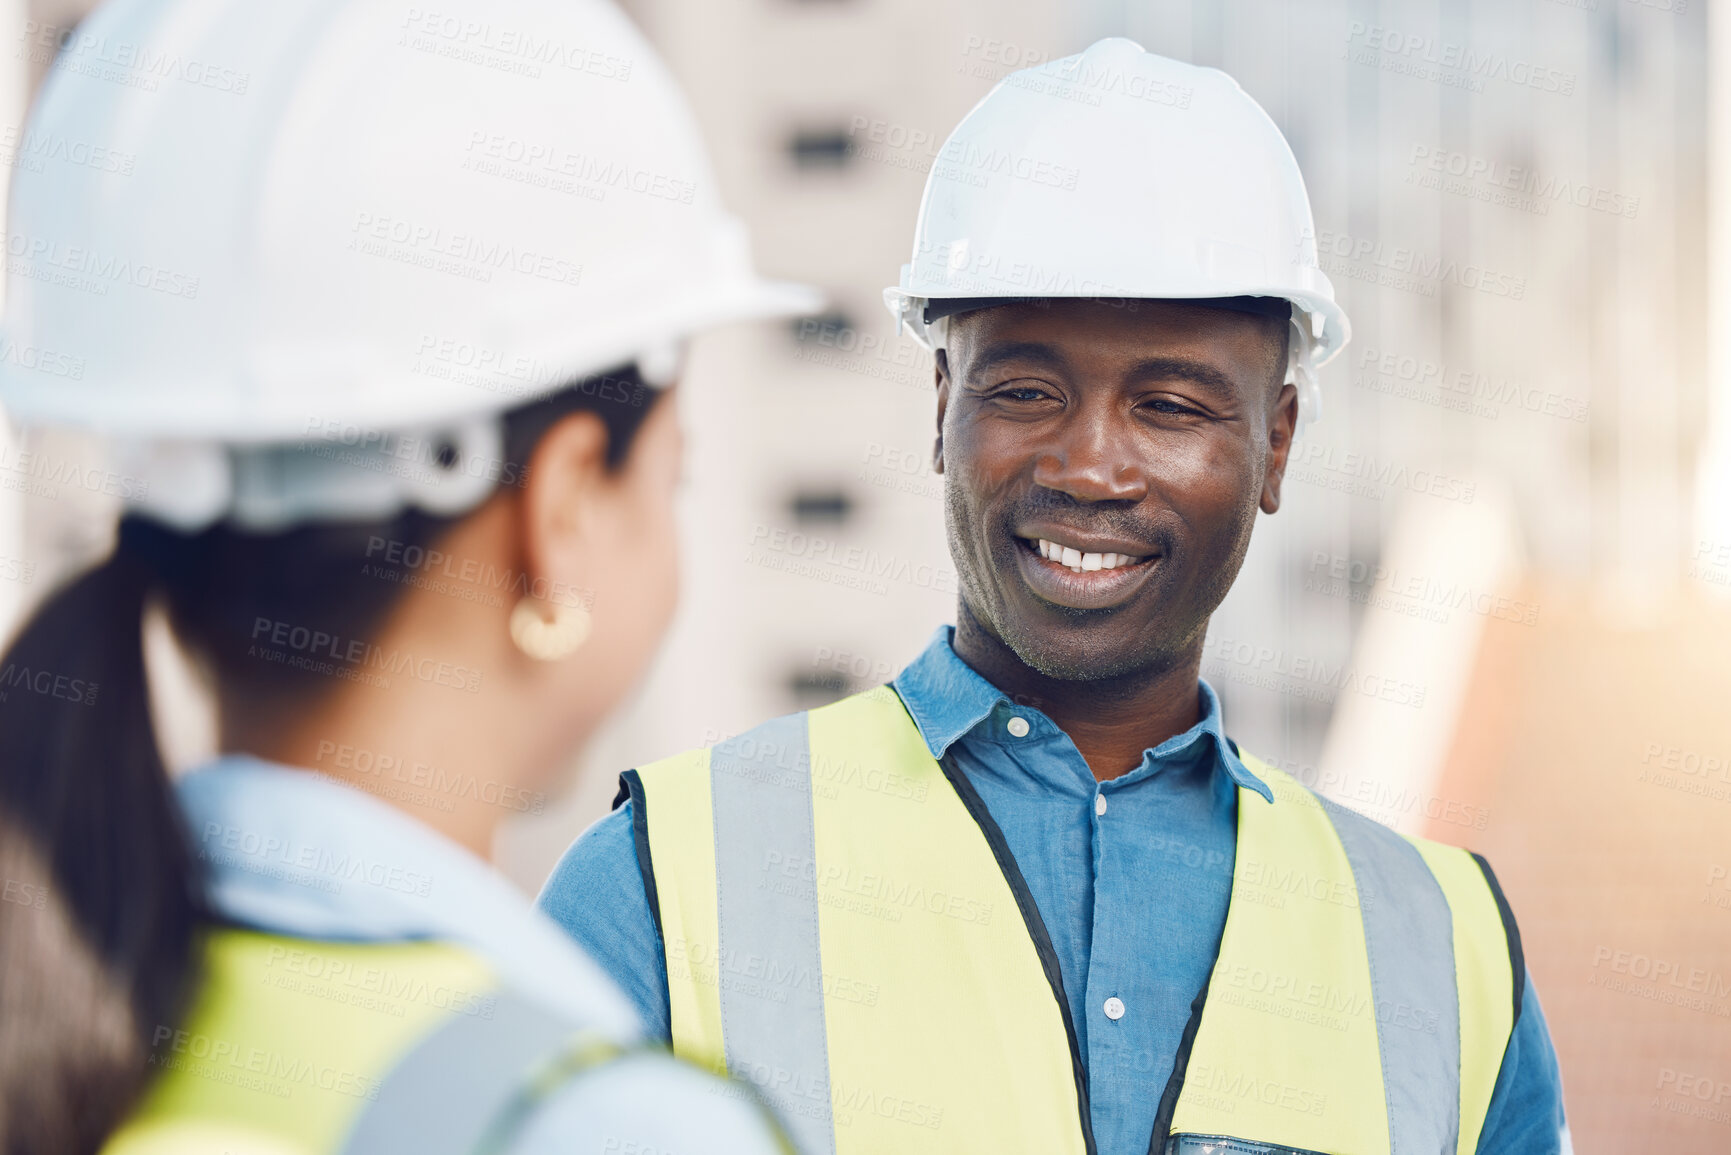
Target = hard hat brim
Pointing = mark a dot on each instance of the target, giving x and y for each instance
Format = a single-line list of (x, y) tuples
[(288, 392), (909, 308)]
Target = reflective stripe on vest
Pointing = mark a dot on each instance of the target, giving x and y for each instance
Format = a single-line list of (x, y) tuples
[(472, 1084), (845, 928)]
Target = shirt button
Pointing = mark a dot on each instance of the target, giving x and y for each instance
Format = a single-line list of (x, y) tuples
[(1100, 804), (1018, 727), (1114, 1008)]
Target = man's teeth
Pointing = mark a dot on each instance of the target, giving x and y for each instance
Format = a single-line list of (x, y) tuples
[(1082, 562)]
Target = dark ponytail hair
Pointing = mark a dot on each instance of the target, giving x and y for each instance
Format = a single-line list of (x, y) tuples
[(103, 899)]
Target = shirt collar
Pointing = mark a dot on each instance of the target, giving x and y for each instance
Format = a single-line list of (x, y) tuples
[(289, 851), (948, 699)]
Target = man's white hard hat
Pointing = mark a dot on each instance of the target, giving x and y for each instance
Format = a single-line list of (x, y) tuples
[(1120, 174), (256, 224)]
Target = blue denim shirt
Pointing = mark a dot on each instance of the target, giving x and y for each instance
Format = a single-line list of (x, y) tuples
[(1132, 877)]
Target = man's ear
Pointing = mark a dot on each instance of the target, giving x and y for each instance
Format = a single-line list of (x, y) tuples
[(942, 372), (1282, 421), (566, 480)]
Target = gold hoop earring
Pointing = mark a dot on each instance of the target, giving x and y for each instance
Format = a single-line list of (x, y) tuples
[(548, 639)]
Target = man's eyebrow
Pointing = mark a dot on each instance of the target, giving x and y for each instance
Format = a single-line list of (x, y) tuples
[(1036, 352), (1198, 372)]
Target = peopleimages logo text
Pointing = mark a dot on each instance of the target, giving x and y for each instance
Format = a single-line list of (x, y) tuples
[(1541, 187)]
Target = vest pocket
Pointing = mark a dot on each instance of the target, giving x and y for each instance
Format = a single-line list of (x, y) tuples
[(1226, 1145)]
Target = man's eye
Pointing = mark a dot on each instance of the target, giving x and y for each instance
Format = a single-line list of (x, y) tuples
[(1021, 393), (1164, 405)]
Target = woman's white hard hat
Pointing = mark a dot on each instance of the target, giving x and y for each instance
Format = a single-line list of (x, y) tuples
[(1120, 174), (317, 221)]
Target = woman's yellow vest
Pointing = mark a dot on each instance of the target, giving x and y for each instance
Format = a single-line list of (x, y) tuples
[(844, 926), (304, 1047)]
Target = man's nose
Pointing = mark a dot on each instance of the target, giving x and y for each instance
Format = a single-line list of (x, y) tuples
[(1093, 459)]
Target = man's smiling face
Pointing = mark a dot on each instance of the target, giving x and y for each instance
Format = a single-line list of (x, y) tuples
[(1132, 441)]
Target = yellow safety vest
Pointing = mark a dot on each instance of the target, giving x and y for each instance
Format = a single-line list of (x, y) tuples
[(844, 926), (305, 1047)]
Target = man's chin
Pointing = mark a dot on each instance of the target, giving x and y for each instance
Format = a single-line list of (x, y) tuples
[(1077, 658)]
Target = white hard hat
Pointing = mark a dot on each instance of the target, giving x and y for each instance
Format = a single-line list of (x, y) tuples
[(261, 223), (1118, 174)]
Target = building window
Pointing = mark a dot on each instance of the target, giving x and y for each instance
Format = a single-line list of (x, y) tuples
[(820, 148), (810, 689), (821, 329), (821, 506)]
